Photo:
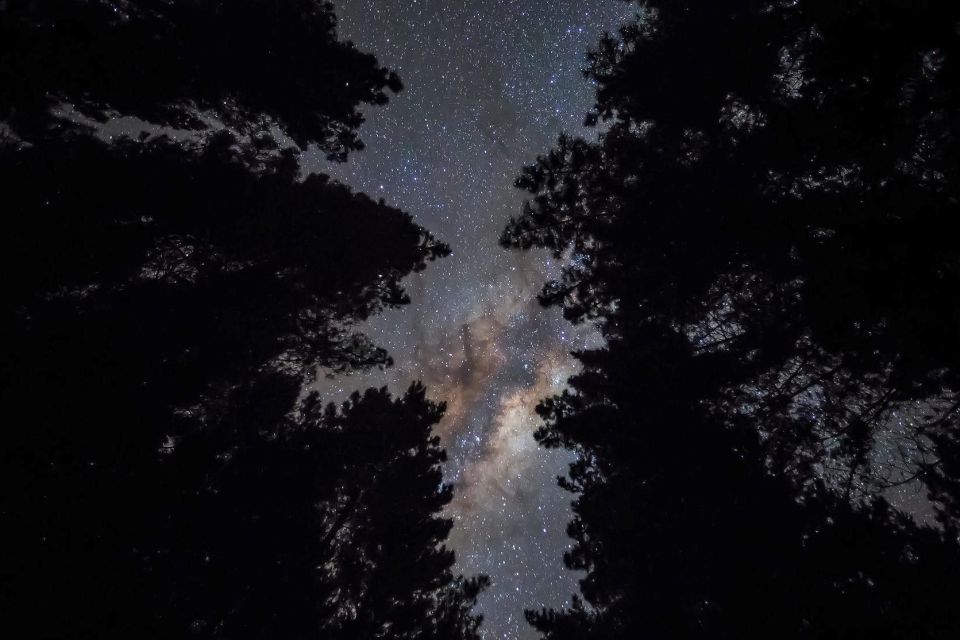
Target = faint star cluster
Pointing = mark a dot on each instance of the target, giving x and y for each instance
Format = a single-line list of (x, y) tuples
[(489, 84)]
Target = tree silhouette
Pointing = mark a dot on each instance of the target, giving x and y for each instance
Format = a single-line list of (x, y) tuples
[(784, 190), (322, 524), (684, 533), (250, 64), (171, 298), (762, 234)]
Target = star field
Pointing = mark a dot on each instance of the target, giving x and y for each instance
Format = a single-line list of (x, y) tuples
[(489, 84)]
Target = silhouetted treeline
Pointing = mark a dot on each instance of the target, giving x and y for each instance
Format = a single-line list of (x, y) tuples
[(163, 473), (766, 235)]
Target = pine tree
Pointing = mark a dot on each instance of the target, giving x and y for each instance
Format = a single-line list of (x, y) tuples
[(173, 292), (781, 181), (762, 234)]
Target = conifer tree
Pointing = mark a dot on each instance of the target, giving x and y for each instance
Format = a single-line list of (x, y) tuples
[(172, 288), (763, 235)]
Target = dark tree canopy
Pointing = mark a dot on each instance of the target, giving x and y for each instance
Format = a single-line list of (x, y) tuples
[(166, 301), (803, 230), (179, 230), (765, 234), (684, 533), (250, 63)]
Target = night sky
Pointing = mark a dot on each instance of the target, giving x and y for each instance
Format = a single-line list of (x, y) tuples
[(489, 84)]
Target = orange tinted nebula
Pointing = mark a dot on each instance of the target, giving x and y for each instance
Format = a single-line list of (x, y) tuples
[(510, 447)]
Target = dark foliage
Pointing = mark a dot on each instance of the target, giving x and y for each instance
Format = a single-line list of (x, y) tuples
[(165, 302), (764, 234), (323, 526), (250, 63), (684, 533)]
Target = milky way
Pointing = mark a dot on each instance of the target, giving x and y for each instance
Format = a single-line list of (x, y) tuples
[(489, 84)]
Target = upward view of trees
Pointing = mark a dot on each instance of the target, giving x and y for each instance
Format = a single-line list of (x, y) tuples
[(765, 233), (166, 298)]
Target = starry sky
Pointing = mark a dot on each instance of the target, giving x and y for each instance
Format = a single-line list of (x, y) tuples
[(489, 84)]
